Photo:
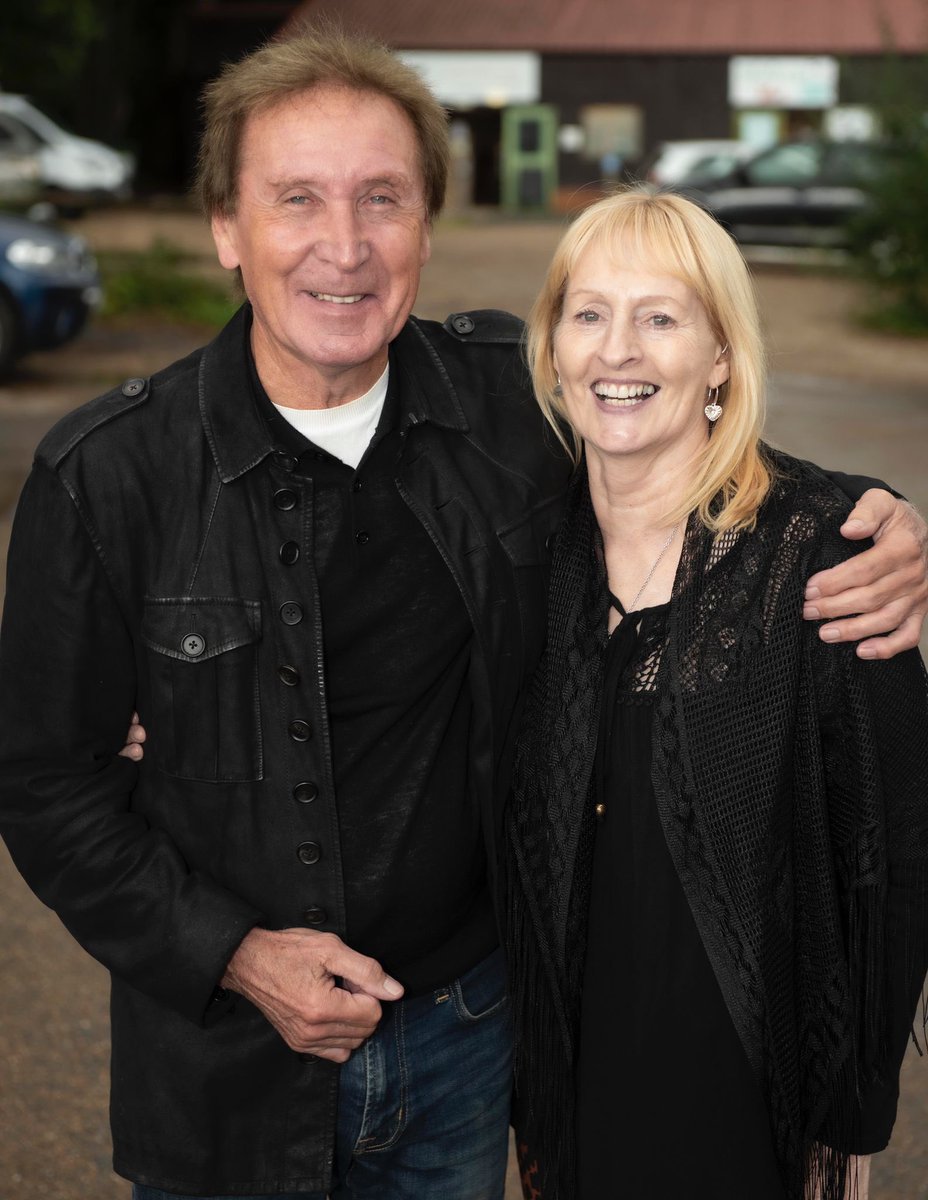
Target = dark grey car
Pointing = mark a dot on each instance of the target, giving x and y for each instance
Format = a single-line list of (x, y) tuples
[(795, 194)]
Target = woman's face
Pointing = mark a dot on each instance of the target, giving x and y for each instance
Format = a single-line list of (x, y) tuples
[(635, 354)]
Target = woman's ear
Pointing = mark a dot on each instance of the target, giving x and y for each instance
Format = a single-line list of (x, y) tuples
[(721, 371)]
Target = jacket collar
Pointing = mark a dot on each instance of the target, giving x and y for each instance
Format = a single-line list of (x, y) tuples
[(425, 387), (237, 433)]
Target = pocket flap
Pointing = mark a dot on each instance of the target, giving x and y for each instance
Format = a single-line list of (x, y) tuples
[(195, 630)]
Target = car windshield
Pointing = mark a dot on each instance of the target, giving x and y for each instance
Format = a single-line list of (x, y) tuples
[(711, 167), (789, 165)]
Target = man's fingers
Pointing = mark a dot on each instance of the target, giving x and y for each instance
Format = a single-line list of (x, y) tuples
[(906, 637), (135, 736), (339, 1022), (362, 974), (875, 507), (872, 599), (887, 628), (891, 572)]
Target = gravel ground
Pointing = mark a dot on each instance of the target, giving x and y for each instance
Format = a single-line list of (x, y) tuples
[(840, 395)]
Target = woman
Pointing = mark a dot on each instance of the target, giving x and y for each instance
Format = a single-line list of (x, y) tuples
[(719, 829)]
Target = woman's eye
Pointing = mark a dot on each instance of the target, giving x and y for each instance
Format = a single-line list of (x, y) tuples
[(661, 321), (587, 316)]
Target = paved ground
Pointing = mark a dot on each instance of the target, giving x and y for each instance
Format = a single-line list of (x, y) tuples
[(842, 397)]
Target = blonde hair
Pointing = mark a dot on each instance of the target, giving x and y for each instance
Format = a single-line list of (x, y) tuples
[(324, 56), (676, 237)]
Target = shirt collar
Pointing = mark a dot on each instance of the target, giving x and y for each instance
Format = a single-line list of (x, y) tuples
[(235, 423)]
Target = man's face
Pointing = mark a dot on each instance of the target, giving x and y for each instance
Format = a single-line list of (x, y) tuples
[(330, 232)]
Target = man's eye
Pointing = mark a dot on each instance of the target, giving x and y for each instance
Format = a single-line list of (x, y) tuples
[(380, 199), (297, 200)]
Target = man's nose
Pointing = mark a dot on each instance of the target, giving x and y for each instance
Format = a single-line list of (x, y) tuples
[(342, 240)]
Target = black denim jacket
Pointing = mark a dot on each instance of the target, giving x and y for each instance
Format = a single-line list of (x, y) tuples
[(145, 572)]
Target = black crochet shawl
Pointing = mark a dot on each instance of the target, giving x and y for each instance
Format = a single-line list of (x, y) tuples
[(791, 779)]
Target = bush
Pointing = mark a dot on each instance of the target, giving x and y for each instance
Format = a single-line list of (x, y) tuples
[(159, 282), (889, 239)]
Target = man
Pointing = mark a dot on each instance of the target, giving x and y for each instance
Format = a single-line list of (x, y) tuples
[(313, 557)]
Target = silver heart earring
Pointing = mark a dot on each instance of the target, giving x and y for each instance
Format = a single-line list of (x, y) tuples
[(713, 409)]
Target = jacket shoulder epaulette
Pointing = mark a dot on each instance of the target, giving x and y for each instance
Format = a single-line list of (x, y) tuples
[(79, 424), (485, 325)]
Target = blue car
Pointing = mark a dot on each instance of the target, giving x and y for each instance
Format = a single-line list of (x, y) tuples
[(48, 286)]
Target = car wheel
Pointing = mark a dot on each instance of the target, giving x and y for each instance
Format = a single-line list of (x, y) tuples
[(7, 335)]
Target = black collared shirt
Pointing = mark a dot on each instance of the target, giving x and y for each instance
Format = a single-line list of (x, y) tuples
[(397, 644)]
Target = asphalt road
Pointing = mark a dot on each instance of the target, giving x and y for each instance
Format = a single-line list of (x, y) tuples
[(864, 408)]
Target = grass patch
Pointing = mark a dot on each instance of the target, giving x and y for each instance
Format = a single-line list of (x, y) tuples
[(158, 282), (899, 318)]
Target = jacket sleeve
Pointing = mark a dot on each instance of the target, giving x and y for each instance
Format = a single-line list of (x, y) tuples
[(67, 689), (874, 730), (854, 486)]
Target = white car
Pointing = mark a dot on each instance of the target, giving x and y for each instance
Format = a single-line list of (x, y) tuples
[(74, 172), (670, 163)]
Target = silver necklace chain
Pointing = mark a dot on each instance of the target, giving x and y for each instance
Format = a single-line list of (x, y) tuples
[(650, 575)]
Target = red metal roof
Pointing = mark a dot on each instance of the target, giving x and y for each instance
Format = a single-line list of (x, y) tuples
[(632, 26)]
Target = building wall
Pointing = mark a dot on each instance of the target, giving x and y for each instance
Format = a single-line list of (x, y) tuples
[(680, 97)]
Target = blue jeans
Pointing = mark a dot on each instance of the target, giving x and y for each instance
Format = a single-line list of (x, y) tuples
[(423, 1105)]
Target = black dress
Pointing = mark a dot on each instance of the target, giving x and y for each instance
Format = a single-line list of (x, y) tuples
[(667, 1105)]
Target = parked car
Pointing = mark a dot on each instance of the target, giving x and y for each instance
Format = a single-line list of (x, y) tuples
[(74, 172), (20, 173), (799, 193), (670, 163), (48, 287)]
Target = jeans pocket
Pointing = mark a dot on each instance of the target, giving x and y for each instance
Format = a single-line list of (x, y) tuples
[(481, 992), (205, 718)]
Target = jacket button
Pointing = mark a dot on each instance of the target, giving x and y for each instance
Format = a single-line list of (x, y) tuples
[(314, 915), (285, 461), (305, 793), (285, 499), (193, 645), (362, 537), (132, 387), (308, 853), (289, 553), (549, 542), (291, 613), (288, 675), (300, 731), (463, 324)]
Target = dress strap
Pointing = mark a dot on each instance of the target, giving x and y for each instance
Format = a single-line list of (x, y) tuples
[(616, 603)]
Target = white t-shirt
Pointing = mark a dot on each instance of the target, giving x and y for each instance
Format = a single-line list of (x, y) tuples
[(345, 431)]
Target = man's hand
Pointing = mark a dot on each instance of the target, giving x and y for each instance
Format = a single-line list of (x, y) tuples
[(887, 584), (134, 739), (320, 995)]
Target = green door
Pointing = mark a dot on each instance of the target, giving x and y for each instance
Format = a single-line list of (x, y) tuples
[(529, 157)]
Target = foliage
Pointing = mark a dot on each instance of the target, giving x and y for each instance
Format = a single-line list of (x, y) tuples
[(889, 239), (45, 41), (160, 282)]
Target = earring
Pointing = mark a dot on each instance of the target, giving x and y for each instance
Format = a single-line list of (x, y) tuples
[(713, 409), (558, 390)]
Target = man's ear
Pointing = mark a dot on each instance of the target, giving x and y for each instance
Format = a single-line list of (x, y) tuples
[(223, 228)]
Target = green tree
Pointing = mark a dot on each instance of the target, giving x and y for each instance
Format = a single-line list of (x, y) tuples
[(889, 239)]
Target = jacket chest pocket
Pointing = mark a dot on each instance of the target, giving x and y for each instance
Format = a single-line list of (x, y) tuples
[(205, 721)]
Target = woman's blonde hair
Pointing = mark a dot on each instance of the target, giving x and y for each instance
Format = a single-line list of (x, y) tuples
[(673, 236)]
